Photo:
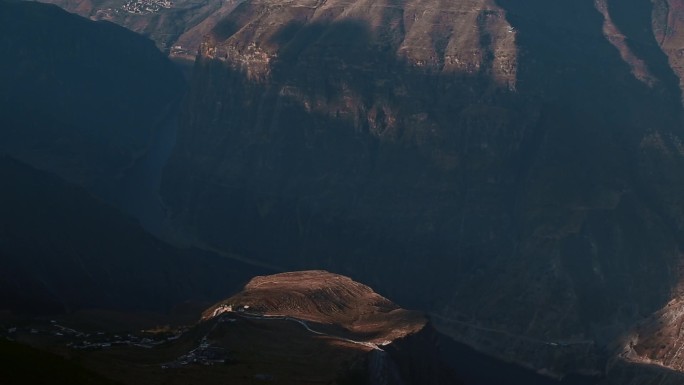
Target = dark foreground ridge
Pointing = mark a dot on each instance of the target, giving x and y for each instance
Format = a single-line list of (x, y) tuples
[(289, 328)]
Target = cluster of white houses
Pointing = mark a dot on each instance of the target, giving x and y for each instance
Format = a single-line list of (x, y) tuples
[(144, 7)]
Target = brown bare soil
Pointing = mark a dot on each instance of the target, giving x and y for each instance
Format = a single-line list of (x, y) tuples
[(334, 301)]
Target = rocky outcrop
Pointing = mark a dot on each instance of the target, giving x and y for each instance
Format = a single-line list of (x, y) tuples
[(668, 28), (627, 372)]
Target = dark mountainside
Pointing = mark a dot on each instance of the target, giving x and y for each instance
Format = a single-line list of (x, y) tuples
[(25, 365), (84, 101), (62, 250), (514, 168), (80, 99)]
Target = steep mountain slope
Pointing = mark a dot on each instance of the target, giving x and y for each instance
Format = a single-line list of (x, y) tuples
[(78, 98), (515, 168), (60, 249), (668, 28)]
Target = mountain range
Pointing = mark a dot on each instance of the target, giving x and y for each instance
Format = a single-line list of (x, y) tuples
[(512, 169)]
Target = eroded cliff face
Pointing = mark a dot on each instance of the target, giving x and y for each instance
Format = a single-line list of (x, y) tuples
[(513, 168), (668, 23)]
